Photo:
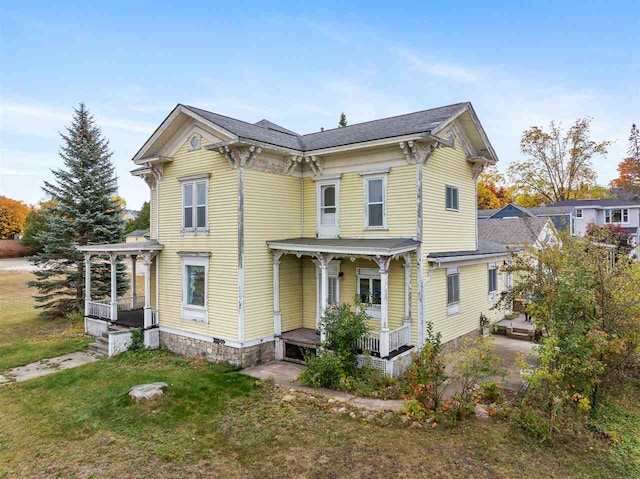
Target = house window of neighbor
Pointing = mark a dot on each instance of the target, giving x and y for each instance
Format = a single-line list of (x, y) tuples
[(616, 216), (375, 202), (194, 288), (370, 290), (578, 213), (194, 206), (453, 291), (452, 198)]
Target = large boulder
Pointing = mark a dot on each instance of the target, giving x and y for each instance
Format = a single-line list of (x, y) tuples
[(144, 392)]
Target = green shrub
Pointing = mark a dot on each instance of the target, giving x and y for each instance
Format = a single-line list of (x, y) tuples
[(344, 326), (137, 340), (323, 371), (489, 392)]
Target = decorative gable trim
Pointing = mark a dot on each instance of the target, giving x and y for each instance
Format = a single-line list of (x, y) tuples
[(240, 155), (418, 153)]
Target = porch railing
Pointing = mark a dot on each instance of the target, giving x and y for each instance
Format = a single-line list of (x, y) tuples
[(400, 337), (370, 342), (154, 317), (99, 309), (125, 303)]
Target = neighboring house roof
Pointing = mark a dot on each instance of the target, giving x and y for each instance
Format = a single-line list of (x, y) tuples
[(138, 233), (539, 211), (485, 248), (511, 231), (386, 246), (595, 203), (426, 122)]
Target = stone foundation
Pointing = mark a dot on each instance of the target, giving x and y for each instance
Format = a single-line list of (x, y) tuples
[(456, 344), (219, 353)]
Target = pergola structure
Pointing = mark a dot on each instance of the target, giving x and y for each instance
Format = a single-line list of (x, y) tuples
[(107, 310), (381, 251)]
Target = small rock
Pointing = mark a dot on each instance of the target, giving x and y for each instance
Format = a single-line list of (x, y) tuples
[(144, 392), (371, 418), (288, 398), (481, 413), (404, 419), (313, 398), (388, 415), (331, 400), (416, 425), (342, 410), (352, 414)]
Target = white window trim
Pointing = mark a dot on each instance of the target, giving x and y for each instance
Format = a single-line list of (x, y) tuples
[(373, 310), (492, 296), (446, 187), (607, 213), (192, 313), (453, 308), (366, 179), (319, 184), (579, 213), (193, 181)]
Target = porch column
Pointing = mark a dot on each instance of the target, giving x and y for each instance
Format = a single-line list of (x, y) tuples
[(133, 282), (87, 283), (323, 262), (114, 286), (147, 290), (277, 317), (407, 288), (383, 265)]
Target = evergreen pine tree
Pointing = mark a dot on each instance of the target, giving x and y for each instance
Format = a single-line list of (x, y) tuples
[(634, 143), (82, 211), (343, 120)]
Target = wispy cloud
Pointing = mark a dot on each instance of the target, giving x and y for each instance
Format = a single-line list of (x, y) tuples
[(438, 69)]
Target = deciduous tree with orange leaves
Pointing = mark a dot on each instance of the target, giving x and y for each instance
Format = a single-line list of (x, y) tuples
[(12, 216)]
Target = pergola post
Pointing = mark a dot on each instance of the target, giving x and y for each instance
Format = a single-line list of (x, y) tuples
[(87, 283), (114, 286), (407, 288), (133, 282), (383, 265), (147, 290), (277, 317)]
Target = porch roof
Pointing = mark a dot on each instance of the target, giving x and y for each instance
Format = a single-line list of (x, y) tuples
[(346, 246), (123, 248), (486, 249)]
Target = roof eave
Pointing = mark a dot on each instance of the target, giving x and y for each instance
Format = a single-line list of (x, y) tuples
[(342, 250)]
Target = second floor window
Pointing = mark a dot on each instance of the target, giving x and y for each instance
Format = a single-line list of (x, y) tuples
[(194, 205), (616, 216), (375, 202), (451, 198)]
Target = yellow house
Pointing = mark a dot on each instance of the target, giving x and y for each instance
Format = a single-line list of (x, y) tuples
[(255, 229)]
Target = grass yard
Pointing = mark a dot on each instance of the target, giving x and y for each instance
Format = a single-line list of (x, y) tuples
[(24, 336), (215, 422)]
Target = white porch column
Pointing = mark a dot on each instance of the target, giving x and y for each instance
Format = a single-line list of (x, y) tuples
[(133, 281), (407, 288), (147, 290), (383, 264), (323, 262), (277, 317), (114, 286), (87, 283)]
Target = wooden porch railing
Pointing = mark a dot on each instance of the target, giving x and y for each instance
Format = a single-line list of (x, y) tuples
[(125, 303), (154, 317), (99, 309), (400, 337), (370, 342)]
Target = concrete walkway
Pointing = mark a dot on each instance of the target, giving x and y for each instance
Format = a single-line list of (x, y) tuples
[(286, 375), (47, 366)]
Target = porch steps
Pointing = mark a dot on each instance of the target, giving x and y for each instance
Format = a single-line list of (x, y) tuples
[(101, 345), (515, 333)]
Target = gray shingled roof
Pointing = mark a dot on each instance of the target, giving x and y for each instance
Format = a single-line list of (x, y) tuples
[(539, 211), (388, 245), (594, 203), (485, 247), (265, 131), (511, 231), (138, 233)]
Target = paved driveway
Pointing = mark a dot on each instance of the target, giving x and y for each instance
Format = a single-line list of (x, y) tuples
[(16, 264)]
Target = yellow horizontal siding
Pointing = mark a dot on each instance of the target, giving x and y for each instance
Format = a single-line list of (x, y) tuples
[(272, 210), (221, 242), (309, 208), (474, 299), (445, 230), (309, 293)]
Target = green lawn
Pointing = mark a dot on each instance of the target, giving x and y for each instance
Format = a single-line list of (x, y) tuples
[(25, 337), (215, 422)]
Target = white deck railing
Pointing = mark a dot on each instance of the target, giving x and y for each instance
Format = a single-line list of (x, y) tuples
[(370, 342), (400, 337), (125, 303), (154, 317), (99, 309)]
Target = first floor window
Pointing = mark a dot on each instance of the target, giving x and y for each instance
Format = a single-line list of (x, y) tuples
[(194, 205), (370, 291), (493, 279), (453, 288), (333, 289), (578, 213), (195, 270), (452, 198)]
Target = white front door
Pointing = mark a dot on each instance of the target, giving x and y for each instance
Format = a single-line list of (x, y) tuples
[(328, 198)]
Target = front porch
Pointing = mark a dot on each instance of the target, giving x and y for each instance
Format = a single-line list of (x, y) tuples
[(336, 261), (111, 320)]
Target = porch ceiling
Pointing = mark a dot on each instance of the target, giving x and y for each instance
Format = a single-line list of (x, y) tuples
[(346, 246), (123, 248)]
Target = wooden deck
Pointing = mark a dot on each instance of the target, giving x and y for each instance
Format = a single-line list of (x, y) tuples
[(303, 336)]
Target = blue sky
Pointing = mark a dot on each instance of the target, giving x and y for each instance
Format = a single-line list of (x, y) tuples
[(300, 64)]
